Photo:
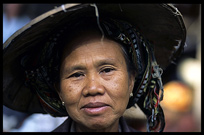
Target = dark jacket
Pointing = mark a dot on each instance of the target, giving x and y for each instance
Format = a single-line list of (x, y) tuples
[(66, 125)]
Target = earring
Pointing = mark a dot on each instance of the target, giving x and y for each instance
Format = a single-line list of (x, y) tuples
[(62, 103), (131, 94)]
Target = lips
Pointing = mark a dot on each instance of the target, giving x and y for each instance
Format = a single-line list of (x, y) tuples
[(96, 108), (94, 105)]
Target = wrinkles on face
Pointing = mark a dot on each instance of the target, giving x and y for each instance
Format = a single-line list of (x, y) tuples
[(94, 75)]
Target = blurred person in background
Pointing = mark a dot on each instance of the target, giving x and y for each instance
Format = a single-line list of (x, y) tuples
[(14, 17)]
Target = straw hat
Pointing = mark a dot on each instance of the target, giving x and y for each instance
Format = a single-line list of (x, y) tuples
[(161, 24)]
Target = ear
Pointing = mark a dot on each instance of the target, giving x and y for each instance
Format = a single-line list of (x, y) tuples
[(57, 88), (131, 82)]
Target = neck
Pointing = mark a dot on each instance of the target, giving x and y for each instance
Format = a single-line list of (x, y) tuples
[(112, 128)]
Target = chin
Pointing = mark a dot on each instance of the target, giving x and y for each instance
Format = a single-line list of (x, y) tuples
[(100, 124)]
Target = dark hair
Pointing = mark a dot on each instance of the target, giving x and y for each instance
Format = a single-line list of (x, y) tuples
[(130, 64)]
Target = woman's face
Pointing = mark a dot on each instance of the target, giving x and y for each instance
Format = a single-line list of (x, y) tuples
[(94, 83)]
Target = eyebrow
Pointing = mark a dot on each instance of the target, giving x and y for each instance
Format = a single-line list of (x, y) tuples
[(74, 68), (106, 62), (83, 67)]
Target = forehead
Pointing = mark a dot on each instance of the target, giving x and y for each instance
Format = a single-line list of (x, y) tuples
[(91, 39)]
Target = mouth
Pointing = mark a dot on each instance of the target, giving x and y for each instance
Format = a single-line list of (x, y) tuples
[(96, 108)]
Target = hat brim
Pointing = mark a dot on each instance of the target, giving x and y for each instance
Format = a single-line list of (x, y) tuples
[(161, 24)]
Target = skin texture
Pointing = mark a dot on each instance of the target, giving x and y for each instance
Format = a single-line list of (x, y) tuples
[(94, 83)]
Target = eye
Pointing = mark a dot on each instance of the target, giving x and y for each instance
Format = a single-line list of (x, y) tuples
[(76, 75), (107, 70)]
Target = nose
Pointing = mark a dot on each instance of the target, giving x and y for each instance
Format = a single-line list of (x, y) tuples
[(93, 86)]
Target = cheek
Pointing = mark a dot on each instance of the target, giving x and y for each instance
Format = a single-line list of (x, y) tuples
[(69, 93), (118, 89)]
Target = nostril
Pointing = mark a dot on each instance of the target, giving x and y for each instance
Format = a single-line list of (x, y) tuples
[(93, 91), (93, 87)]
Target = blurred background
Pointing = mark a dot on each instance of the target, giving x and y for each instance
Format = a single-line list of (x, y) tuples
[(181, 80)]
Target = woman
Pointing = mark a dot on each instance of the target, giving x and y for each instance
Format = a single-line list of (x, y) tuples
[(93, 62), (91, 73)]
